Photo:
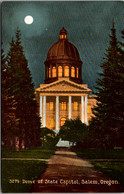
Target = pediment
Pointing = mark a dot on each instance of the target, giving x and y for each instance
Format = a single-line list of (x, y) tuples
[(64, 86)]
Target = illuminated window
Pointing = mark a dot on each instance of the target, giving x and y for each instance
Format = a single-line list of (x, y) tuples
[(51, 123), (63, 106), (72, 72), (89, 109), (75, 105), (51, 105), (60, 71), (54, 72), (66, 71), (77, 72), (63, 36), (49, 73), (62, 121)]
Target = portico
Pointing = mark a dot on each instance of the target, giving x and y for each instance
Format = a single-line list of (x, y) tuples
[(62, 100), (83, 115)]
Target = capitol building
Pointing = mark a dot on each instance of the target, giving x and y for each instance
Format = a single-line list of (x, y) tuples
[(63, 95)]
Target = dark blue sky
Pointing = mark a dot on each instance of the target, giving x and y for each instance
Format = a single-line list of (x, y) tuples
[(88, 25)]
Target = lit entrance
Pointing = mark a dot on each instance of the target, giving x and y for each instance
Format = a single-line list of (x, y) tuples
[(62, 121)]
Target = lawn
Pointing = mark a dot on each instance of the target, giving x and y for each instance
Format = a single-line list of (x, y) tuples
[(114, 170), (100, 153), (17, 171), (36, 152)]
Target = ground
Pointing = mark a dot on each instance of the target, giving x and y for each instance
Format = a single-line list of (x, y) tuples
[(66, 172)]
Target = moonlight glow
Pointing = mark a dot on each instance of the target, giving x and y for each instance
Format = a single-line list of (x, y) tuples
[(28, 19)]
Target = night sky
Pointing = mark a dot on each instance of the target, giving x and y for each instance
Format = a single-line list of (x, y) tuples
[(88, 25)]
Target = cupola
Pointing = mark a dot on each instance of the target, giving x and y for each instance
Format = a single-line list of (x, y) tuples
[(63, 34)]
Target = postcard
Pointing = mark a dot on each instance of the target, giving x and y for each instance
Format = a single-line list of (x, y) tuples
[(62, 97)]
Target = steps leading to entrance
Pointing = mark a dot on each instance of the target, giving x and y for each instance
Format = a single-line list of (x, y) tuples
[(63, 143)]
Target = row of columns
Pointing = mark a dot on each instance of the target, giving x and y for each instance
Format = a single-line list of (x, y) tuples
[(43, 110)]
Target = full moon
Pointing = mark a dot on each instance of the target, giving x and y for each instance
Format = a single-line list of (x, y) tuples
[(28, 19)]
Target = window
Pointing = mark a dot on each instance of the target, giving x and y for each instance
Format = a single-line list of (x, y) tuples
[(63, 36), (77, 72), (49, 73), (89, 109), (54, 72), (75, 105), (66, 71), (51, 123), (63, 106), (62, 121), (60, 71), (72, 72), (51, 105)]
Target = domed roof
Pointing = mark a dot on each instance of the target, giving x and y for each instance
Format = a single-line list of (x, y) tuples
[(63, 49)]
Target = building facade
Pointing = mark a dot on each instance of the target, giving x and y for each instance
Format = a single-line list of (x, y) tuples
[(63, 95)]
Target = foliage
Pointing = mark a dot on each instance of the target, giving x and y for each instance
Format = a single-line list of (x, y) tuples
[(114, 170), (73, 131), (106, 128), (48, 137), (20, 170), (20, 89), (8, 104), (95, 153)]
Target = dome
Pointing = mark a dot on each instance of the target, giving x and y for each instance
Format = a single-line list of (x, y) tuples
[(63, 61), (63, 49)]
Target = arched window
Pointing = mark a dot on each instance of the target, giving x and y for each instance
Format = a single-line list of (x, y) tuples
[(49, 75), (66, 71), (60, 71), (72, 72), (77, 72), (62, 121), (54, 72)]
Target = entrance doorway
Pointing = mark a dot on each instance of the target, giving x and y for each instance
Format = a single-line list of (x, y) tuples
[(62, 121)]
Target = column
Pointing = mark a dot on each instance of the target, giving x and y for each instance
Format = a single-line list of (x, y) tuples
[(82, 109), (44, 111), (69, 107), (41, 102), (57, 113), (86, 110)]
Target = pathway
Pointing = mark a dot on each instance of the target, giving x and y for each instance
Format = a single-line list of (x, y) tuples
[(66, 172)]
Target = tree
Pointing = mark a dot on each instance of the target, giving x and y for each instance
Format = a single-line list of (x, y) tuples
[(22, 88), (73, 131), (109, 110), (49, 137), (3, 96), (120, 102), (9, 124)]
